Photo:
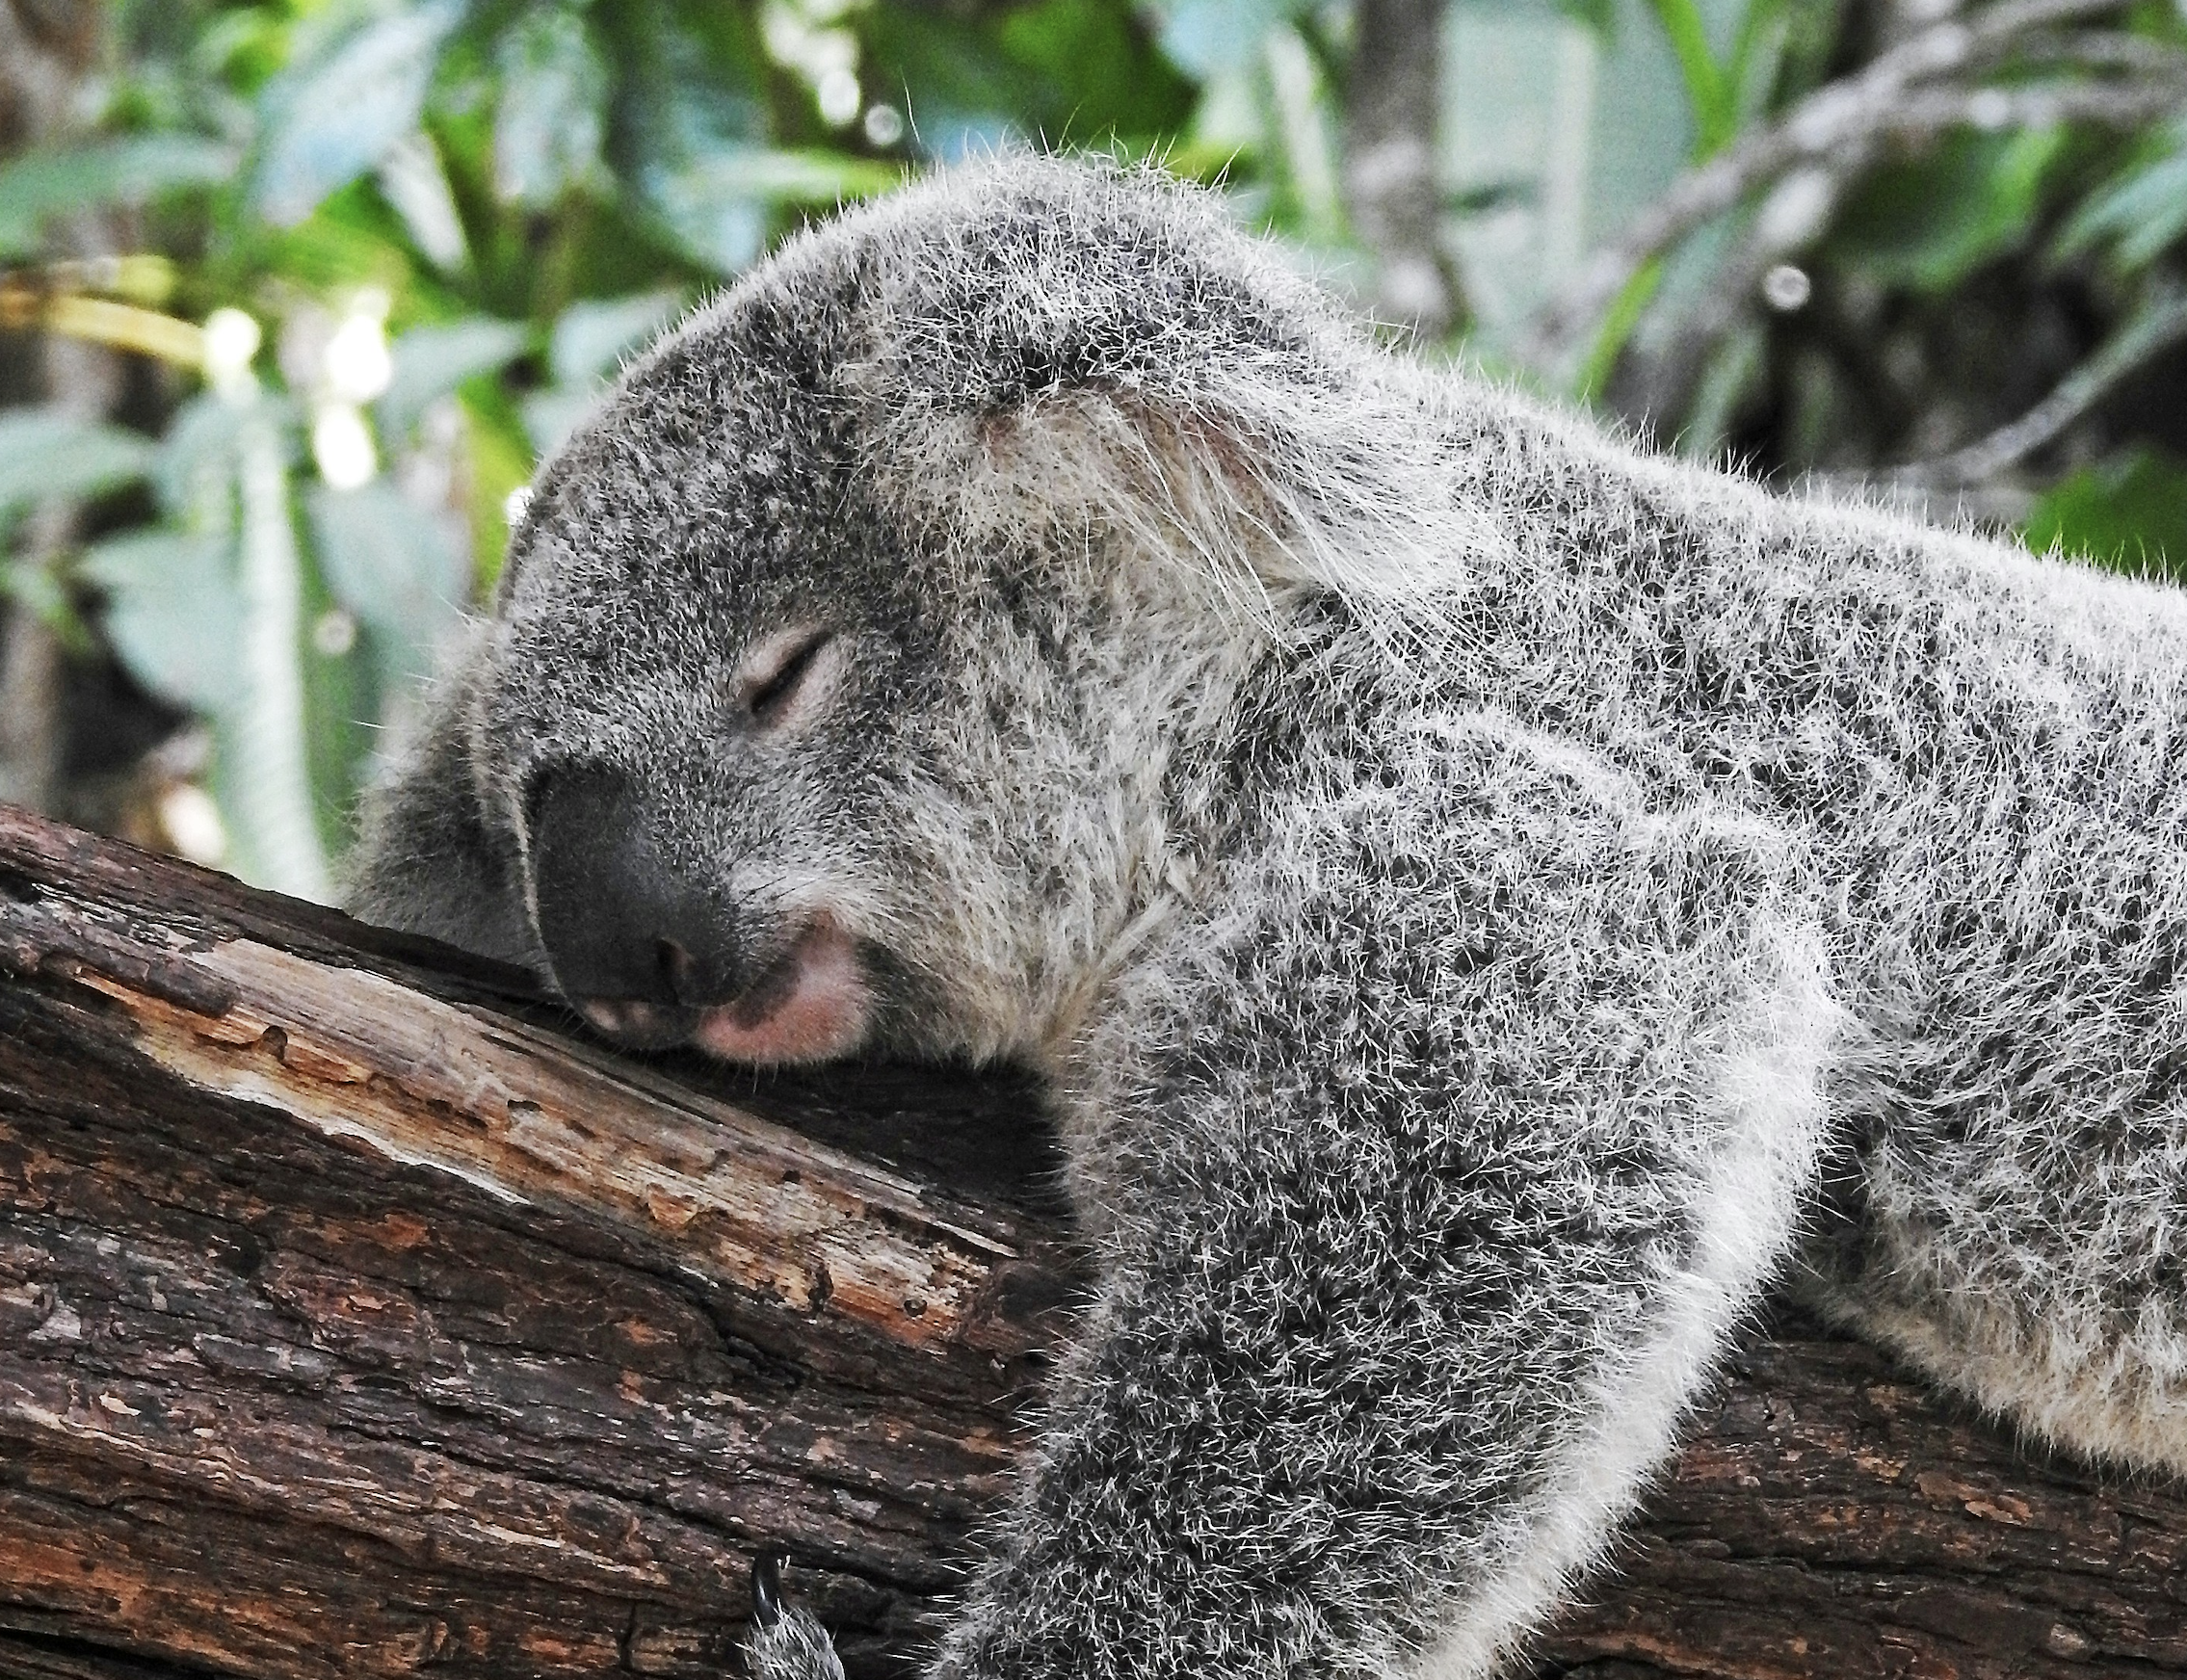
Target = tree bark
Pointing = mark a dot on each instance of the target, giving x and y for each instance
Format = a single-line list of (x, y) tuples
[(358, 1319)]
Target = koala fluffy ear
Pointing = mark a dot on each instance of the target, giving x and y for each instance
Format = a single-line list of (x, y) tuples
[(1257, 484), (1073, 354)]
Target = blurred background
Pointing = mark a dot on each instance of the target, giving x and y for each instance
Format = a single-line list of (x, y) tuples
[(294, 294)]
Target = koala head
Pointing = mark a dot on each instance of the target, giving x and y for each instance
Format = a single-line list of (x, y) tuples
[(848, 665)]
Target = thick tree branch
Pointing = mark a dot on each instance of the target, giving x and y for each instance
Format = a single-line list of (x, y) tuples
[(357, 1320)]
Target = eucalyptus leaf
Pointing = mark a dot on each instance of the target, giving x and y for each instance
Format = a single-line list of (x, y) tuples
[(430, 361), (552, 115), (174, 614), (391, 563), (2144, 211), (197, 458), (590, 337), (551, 416), (717, 225), (46, 453), (1932, 223), (328, 120), (2129, 513), (128, 171)]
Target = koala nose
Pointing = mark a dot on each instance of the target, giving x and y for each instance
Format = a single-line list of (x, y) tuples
[(625, 931)]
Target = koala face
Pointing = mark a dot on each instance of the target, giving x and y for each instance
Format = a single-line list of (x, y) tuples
[(842, 659), (694, 683)]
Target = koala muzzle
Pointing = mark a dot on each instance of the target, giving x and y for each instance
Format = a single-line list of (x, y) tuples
[(637, 945)]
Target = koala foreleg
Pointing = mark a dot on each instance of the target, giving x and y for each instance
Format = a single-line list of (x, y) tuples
[(1429, 1173)]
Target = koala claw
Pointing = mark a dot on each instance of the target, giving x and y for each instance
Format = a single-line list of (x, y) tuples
[(786, 1643)]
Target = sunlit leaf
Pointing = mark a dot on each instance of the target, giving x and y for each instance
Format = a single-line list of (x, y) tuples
[(392, 564), (44, 453), (1710, 95), (414, 183), (1930, 223), (128, 170), (330, 121), (174, 614), (2129, 513), (546, 132), (430, 361)]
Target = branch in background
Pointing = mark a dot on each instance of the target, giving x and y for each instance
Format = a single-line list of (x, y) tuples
[(1390, 167), (2154, 328), (47, 54), (1837, 128)]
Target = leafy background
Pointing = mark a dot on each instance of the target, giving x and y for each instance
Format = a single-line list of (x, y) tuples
[(295, 293)]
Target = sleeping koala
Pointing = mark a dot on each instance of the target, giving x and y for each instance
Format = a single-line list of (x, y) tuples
[(1487, 901)]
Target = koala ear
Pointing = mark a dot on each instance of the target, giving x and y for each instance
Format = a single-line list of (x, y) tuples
[(1252, 484)]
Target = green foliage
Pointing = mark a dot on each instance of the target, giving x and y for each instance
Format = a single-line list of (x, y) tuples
[(455, 219), (45, 454), (2143, 212), (2130, 514), (129, 170), (1928, 223)]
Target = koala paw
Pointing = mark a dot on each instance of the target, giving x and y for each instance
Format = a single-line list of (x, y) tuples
[(786, 1643)]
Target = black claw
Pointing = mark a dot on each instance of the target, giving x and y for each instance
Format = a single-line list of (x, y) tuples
[(767, 1588)]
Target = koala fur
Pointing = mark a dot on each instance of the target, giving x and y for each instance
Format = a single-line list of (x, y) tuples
[(1487, 900)]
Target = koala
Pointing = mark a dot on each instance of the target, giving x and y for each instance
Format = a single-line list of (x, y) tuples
[(1487, 901)]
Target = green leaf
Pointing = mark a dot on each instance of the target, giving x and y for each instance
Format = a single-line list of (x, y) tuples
[(330, 120), (1929, 224), (551, 416), (1099, 72), (44, 454), (174, 614), (391, 563), (129, 170), (196, 456), (547, 130), (2129, 513), (717, 205), (2144, 210), (430, 361), (1709, 95), (590, 337), (37, 588)]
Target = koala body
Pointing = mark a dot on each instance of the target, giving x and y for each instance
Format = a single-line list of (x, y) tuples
[(1487, 901)]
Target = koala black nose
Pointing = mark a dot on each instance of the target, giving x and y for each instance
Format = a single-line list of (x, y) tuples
[(620, 922)]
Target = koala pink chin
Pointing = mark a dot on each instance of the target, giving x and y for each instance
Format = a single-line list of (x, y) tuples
[(811, 1006)]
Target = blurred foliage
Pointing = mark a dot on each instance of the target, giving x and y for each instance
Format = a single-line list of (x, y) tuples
[(383, 253)]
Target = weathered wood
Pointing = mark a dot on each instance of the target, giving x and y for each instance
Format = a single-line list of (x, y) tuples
[(358, 1318)]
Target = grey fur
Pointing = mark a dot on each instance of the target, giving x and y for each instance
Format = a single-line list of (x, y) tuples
[(1487, 900)]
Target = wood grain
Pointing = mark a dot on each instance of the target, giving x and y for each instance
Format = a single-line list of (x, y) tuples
[(358, 1317)]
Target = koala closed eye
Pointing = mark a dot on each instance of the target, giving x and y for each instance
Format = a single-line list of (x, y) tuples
[(782, 681)]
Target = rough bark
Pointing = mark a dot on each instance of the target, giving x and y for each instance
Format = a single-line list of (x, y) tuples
[(358, 1319)]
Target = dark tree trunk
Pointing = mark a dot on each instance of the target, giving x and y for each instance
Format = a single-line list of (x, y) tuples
[(357, 1320)]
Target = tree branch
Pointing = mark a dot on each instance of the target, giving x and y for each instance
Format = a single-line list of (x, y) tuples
[(355, 1320), (2155, 327)]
